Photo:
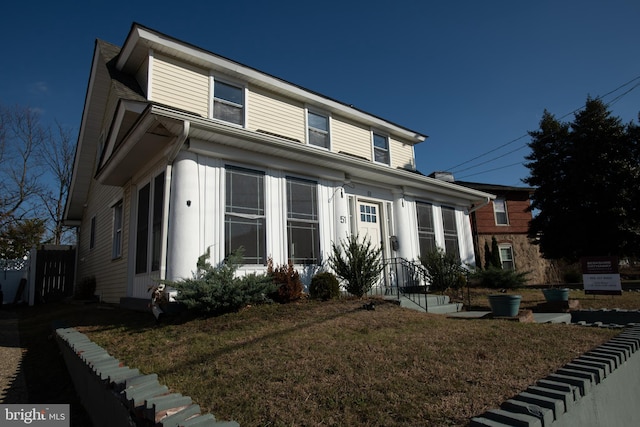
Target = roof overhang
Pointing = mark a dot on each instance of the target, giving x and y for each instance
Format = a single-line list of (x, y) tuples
[(141, 40), (131, 148), (214, 138)]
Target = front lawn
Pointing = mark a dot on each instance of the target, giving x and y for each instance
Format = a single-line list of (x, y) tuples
[(333, 363)]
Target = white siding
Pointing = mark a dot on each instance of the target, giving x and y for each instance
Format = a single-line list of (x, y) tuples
[(111, 275), (349, 137), (401, 154), (180, 85), (273, 113)]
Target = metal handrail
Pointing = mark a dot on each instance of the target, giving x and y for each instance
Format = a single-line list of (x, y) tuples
[(403, 277)]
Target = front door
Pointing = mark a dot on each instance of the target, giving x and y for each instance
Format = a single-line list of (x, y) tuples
[(369, 222)]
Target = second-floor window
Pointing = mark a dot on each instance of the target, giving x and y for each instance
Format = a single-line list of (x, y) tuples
[(228, 102), (318, 129), (500, 210), (381, 148)]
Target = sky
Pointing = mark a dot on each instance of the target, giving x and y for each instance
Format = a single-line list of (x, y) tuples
[(474, 76)]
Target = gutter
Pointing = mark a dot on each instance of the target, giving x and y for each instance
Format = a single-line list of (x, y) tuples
[(480, 204)]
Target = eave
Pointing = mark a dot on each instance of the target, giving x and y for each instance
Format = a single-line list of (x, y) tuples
[(215, 138), (141, 40)]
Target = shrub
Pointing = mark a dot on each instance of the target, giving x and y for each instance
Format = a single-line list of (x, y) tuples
[(287, 280), (324, 286), (444, 271), (498, 278), (572, 276), (216, 290), (358, 263)]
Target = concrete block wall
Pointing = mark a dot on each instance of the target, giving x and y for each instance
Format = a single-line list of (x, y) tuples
[(599, 388), (115, 395)]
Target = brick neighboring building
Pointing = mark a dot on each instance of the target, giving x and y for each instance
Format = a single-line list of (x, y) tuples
[(507, 219)]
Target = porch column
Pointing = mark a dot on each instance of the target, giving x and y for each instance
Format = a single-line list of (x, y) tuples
[(403, 227), (341, 211), (184, 220)]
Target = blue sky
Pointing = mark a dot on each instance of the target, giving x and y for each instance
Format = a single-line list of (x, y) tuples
[(472, 75)]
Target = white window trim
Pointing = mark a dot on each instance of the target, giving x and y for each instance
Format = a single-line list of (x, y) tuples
[(513, 258), (495, 212), (232, 82), (93, 230), (373, 147), (307, 126), (116, 252)]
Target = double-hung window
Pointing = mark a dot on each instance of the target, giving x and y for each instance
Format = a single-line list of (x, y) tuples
[(381, 148), (228, 102), (426, 231), (506, 257), (244, 221), (450, 231), (500, 210), (116, 249), (318, 129), (303, 234)]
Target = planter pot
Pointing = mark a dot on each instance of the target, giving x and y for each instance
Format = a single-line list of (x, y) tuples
[(505, 305), (556, 294)]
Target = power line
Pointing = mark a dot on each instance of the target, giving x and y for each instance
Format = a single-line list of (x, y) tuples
[(613, 101), (492, 170)]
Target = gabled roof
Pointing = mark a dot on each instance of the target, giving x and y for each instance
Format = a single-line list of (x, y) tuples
[(140, 39), (139, 125), (103, 79)]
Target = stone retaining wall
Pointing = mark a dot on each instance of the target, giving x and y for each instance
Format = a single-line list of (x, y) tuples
[(599, 388), (115, 395)]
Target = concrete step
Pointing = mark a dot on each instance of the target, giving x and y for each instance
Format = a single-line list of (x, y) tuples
[(438, 304)]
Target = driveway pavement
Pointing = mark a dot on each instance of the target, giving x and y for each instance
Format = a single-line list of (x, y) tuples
[(13, 387)]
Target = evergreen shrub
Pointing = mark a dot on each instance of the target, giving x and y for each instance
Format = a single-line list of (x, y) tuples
[(358, 263), (216, 290), (498, 278), (324, 286)]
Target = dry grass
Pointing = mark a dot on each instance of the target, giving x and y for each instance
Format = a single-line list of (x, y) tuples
[(332, 363), (328, 363), (531, 297)]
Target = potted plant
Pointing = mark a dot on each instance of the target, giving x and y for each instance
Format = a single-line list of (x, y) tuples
[(503, 304), (554, 294)]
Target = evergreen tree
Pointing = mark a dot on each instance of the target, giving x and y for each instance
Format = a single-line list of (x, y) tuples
[(586, 176)]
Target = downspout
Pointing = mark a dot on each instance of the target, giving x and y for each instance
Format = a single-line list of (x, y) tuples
[(474, 227), (173, 152), (481, 204)]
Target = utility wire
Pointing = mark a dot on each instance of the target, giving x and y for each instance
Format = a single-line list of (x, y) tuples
[(613, 101)]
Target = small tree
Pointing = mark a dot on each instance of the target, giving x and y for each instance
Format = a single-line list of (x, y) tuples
[(358, 263), (492, 255)]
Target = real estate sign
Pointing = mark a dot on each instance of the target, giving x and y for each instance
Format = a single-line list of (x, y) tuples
[(600, 275)]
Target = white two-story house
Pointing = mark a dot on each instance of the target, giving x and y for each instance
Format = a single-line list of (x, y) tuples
[(182, 151)]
